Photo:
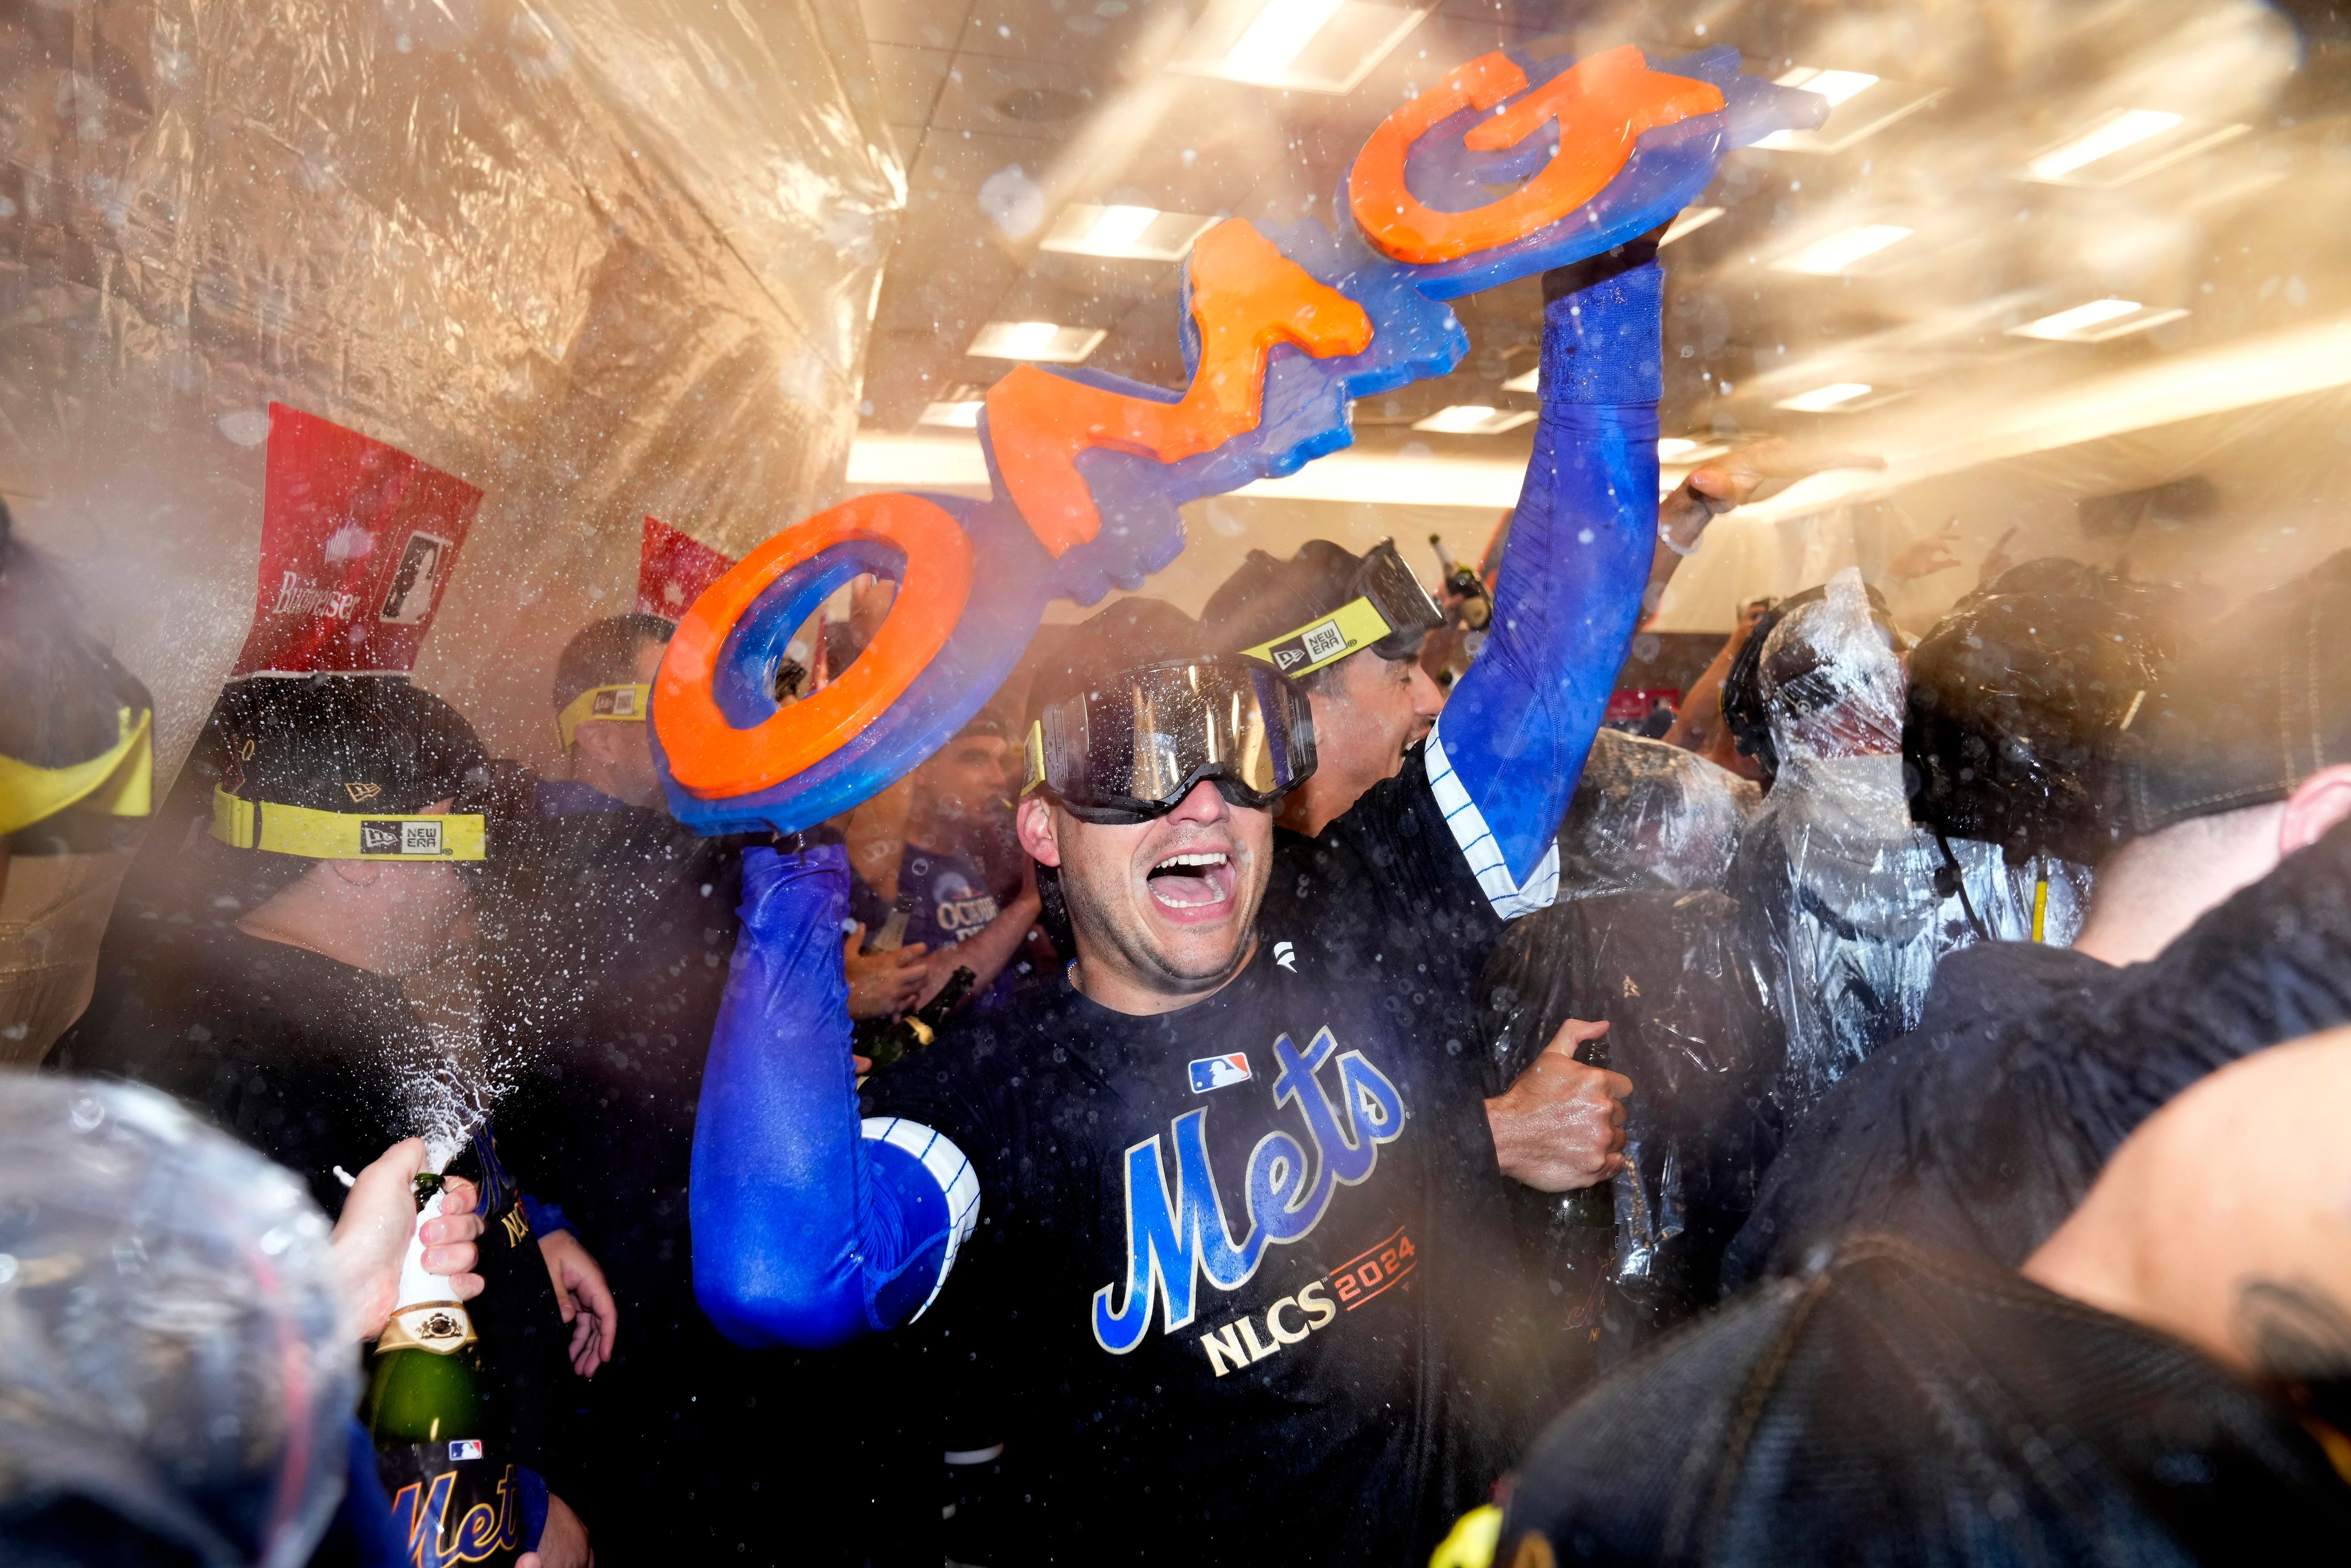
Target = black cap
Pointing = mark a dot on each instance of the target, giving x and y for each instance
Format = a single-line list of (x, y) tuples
[(2015, 706), (1265, 598), (356, 744), (1899, 1407), (2258, 704), (1126, 635)]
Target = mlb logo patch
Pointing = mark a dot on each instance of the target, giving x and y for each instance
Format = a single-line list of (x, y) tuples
[(1219, 1071), (416, 581), (466, 1449)]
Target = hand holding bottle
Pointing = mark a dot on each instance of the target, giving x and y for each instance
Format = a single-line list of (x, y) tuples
[(371, 1235)]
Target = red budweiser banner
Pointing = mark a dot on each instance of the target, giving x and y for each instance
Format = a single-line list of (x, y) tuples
[(358, 542), (672, 571)]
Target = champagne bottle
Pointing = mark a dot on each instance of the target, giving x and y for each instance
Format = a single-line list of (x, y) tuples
[(921, 1026), (1592, 1207), (452, 1499), (1462, 582)]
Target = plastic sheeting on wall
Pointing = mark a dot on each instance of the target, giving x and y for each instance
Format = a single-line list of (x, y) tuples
[(597, 258)]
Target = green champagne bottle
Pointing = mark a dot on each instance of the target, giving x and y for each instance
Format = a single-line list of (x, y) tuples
[(452, 1499)]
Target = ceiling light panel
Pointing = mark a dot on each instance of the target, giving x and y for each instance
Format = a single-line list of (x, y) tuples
[(1836, 395), (1688, 221), (1526, 381), (1474, 419), (1840, 252), (1686, 449), (2124, 144), (1300, 46), (1047, 341), (2095, 322), (1860, 105), (1128, 233), (954, 415)]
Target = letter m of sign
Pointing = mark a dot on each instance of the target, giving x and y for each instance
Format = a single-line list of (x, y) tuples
[(1170, 1241)]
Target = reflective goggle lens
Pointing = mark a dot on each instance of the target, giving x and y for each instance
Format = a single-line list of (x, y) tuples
[(1131, 749)]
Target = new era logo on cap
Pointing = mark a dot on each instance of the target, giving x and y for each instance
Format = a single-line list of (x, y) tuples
[(619, 700), (1219, 1071), (377, 837)]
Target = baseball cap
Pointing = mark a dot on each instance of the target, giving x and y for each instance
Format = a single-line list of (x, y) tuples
[(2015, 702), (2258, 704), (293, 755), (1896, 1406), (1122, 636)]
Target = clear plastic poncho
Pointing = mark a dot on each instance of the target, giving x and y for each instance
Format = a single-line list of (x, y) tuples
[(1650, 815), (174, 1355), (1850, 906)]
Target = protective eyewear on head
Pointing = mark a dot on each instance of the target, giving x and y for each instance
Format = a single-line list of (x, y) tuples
[(1390, 613), (1131, 746), (629, 704)]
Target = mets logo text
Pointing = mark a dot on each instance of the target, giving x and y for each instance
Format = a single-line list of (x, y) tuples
[(1172, 1238)]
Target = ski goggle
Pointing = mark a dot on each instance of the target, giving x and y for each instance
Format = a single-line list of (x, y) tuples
[(1132, 747), (1389, 612), (624, 702)]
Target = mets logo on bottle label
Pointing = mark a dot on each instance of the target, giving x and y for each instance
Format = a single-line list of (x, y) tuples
[(1174, 1237), (459, 1511)]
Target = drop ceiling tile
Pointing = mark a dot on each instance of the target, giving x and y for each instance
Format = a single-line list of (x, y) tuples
[(962, 159), (910, 80), (1073, 32), (1035, 100), (931, 24)]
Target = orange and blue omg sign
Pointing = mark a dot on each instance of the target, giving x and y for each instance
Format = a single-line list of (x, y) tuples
[(1282, 330)]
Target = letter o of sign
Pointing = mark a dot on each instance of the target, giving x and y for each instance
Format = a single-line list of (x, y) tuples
[(716, 759)]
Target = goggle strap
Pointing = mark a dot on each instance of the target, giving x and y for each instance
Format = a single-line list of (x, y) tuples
[(624, 704), (1035, 753), (1325, 639)]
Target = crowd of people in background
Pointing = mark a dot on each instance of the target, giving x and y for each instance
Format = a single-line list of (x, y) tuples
[(1893, 1146)]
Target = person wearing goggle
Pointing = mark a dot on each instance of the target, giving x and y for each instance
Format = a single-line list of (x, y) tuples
[(1309, 618), (603, 692), (1197, 1160)]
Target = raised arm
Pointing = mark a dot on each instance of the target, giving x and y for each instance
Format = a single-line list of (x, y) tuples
[(810, 1228), (1505, 756)]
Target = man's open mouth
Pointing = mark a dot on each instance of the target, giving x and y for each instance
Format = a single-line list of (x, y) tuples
[(1197, 879)]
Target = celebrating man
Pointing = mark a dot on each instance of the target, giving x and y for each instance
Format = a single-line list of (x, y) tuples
[(1224, 1206)]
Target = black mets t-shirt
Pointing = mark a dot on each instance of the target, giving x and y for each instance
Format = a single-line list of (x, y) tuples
[(1240, 1269)]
